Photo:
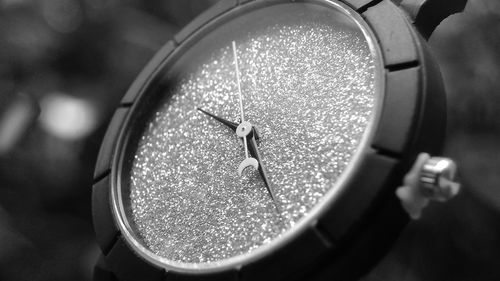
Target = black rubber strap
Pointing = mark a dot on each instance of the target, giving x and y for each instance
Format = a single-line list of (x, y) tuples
[(428, 14), (102, 272)]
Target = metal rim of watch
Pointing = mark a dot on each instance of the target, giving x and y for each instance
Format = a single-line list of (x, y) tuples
[(356, 230)]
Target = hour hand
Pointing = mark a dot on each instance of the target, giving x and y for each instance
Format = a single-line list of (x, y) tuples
[(228, 123)]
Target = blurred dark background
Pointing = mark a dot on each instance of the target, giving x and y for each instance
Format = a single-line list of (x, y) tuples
[(72, 60)]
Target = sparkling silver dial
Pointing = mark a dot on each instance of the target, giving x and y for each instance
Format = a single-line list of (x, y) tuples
[(309, 85)]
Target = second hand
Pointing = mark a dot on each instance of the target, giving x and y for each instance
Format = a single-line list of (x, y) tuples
[(235, 55), (244, 130), (245, 127)]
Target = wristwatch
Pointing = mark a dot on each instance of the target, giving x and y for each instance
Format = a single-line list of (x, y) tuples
[(267, 141)]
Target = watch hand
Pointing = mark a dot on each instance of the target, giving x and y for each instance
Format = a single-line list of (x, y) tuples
[(249, 133), (238, 81), (244, 128), (252, 147), (254, 151), (228, 123)]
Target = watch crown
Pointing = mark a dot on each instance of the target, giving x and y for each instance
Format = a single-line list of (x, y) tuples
[(430, 178), (437, 178)]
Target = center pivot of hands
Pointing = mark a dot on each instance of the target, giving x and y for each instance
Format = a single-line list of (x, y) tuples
[(244, 129)]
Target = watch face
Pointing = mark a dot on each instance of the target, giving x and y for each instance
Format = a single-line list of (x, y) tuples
[(305, 75)]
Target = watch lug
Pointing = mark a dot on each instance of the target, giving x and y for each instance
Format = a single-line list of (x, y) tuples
[(426, 15)]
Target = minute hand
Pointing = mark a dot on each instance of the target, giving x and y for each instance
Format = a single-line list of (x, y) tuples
[(254, 151)]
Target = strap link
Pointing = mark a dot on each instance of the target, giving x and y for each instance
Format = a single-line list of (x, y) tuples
[(428, 14)]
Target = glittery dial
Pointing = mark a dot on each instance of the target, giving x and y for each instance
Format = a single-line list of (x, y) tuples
[(309, 84)]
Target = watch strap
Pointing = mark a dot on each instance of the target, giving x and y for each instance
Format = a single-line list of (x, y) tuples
[(428, 14), (101, 271)]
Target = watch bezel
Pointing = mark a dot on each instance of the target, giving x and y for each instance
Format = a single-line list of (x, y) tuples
[(121, 177)]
